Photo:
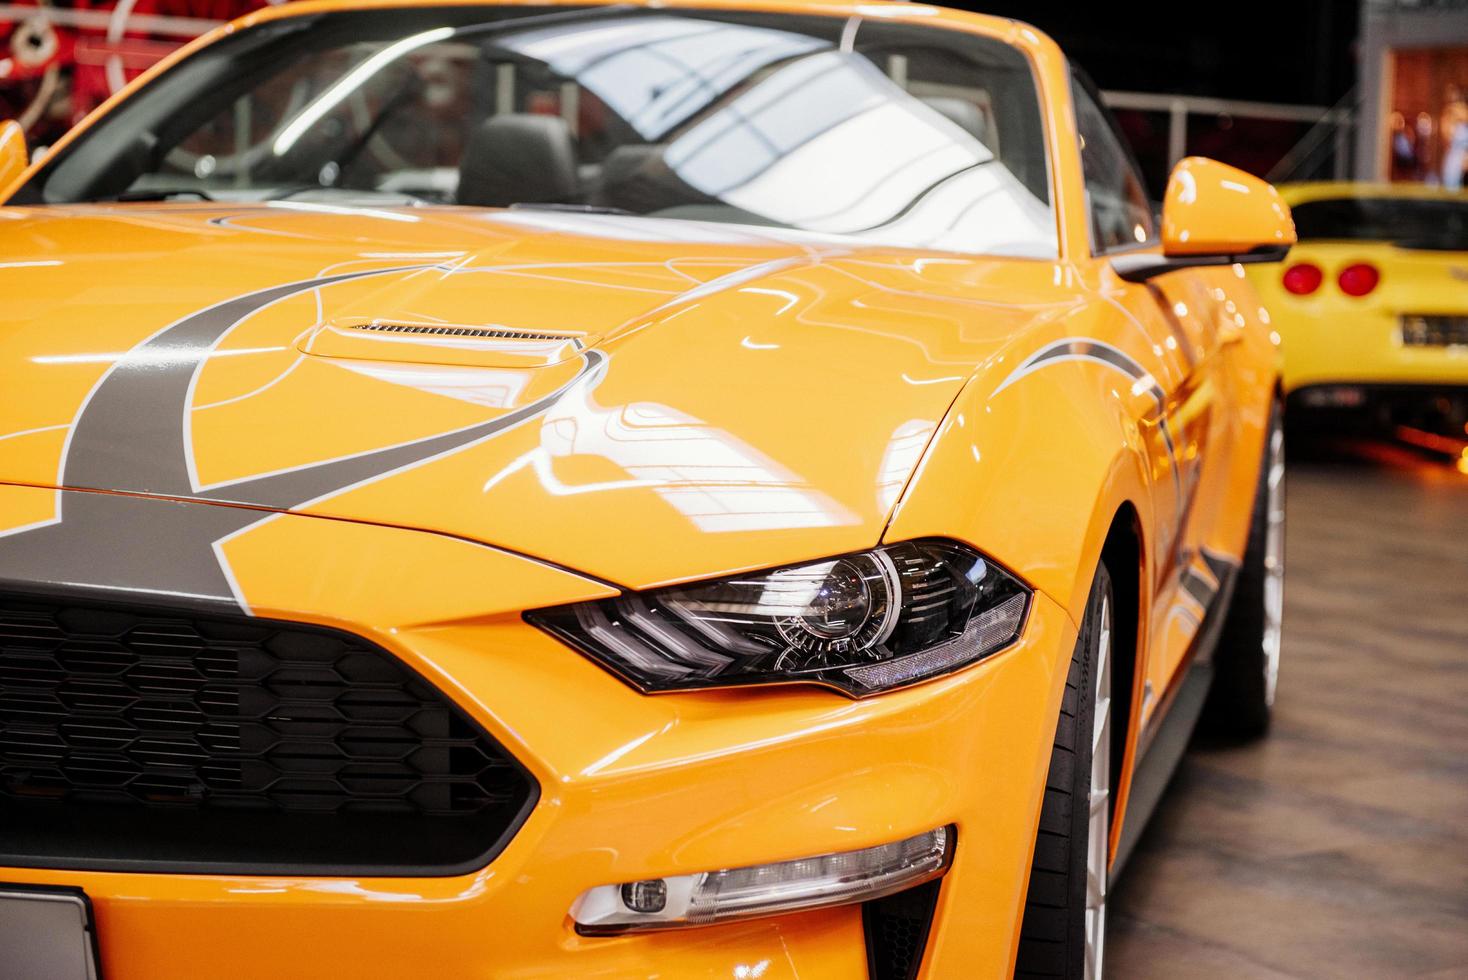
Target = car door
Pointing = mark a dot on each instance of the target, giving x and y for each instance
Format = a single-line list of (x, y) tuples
[(1180, 317)]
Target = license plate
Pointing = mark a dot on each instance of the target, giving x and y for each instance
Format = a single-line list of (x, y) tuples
[(46, 934)]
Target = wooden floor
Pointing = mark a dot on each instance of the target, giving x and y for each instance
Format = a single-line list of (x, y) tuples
[(1337, 847)]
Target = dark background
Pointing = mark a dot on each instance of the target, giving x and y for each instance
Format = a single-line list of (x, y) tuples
[(1283, 51), (1287, 51)]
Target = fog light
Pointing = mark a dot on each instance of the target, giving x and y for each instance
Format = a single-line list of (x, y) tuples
[(646, 897), (765, 889)]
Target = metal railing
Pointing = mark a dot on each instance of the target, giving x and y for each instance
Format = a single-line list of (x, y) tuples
[(1326, 150), (1326, 145)]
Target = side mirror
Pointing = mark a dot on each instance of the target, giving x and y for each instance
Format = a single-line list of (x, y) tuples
[(14, 157), (1214, 214)]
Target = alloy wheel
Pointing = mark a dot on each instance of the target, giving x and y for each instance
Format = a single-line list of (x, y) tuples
[(1098, 838), (1274, 560)]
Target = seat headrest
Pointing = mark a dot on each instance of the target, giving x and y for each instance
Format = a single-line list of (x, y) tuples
[(624, 174), (518, 157), (637, 178)]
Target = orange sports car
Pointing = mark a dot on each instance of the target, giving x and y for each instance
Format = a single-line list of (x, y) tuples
[(685, 489)]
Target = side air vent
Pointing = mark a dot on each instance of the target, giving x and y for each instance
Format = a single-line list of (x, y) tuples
[(897, 931), (487, 333)]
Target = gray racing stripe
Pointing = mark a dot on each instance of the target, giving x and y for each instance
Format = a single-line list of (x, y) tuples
[(295, 487), (1084, 348), (117, 543), (1087, 349), (130, 436)]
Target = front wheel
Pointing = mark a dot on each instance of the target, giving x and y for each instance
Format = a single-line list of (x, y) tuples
[(1064, 929), (1246, 662)]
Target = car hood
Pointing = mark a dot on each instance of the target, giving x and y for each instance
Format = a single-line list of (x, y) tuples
[(644, 401)]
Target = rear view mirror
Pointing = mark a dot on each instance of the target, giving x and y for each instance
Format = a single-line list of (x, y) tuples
[(14, 157), (1214, 214)]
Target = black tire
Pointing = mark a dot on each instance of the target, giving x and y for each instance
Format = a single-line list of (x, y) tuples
[(1241, 702), (1052, 941)]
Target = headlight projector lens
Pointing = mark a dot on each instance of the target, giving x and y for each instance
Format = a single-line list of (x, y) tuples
[(862, 623)]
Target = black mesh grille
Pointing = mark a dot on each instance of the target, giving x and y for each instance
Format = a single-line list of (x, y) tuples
[(131, 736), (897, 931)]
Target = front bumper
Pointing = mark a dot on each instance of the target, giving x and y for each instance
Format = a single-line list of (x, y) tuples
[(632, 786)]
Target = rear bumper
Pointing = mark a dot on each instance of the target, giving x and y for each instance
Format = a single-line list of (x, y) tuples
[(1380, 409), (632, 787), (1365, 347)]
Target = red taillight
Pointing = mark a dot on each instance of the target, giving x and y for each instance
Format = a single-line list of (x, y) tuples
[(1303, 279), (1358, 279)]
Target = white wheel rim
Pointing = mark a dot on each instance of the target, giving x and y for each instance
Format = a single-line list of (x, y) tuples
[(1274, 560), (1098, 838)]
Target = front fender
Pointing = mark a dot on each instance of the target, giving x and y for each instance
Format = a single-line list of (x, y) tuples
[(1033, 473)]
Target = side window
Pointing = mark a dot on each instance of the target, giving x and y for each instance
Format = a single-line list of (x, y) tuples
[(1120, 213)]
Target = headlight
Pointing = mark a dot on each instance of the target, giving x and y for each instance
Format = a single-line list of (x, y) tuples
[(864, 622)]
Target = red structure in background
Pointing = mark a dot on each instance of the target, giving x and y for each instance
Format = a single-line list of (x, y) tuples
[(59, 61), (1428, 125)]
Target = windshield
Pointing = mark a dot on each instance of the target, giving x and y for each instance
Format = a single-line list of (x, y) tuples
[(894, 133), (1427, 224)]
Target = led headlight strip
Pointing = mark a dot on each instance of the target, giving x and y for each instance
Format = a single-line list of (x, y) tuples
[(767, 889), (864, 622)]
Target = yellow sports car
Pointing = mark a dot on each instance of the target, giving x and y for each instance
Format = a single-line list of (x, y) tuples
[(1373, 306), (695, 489)]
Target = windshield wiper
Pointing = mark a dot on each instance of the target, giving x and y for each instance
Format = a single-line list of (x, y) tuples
[(160, 194), (573, 208)]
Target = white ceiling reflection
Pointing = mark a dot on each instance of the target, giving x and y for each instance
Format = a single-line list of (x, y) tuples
[(783, 149), (479, 386), (711, 477), (902, 453), (656, 72)]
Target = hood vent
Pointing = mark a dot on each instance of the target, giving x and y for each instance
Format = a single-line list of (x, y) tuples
[(489, 333), (407, 342)]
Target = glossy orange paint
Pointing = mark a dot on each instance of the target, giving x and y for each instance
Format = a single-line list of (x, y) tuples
[(14, 157), (1212, 208), (682, 454)]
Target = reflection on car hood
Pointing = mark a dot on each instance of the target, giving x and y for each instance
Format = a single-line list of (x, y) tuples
[(642, 400)]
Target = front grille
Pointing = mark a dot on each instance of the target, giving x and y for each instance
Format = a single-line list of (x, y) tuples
[(171, 740), (1434, 331)]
